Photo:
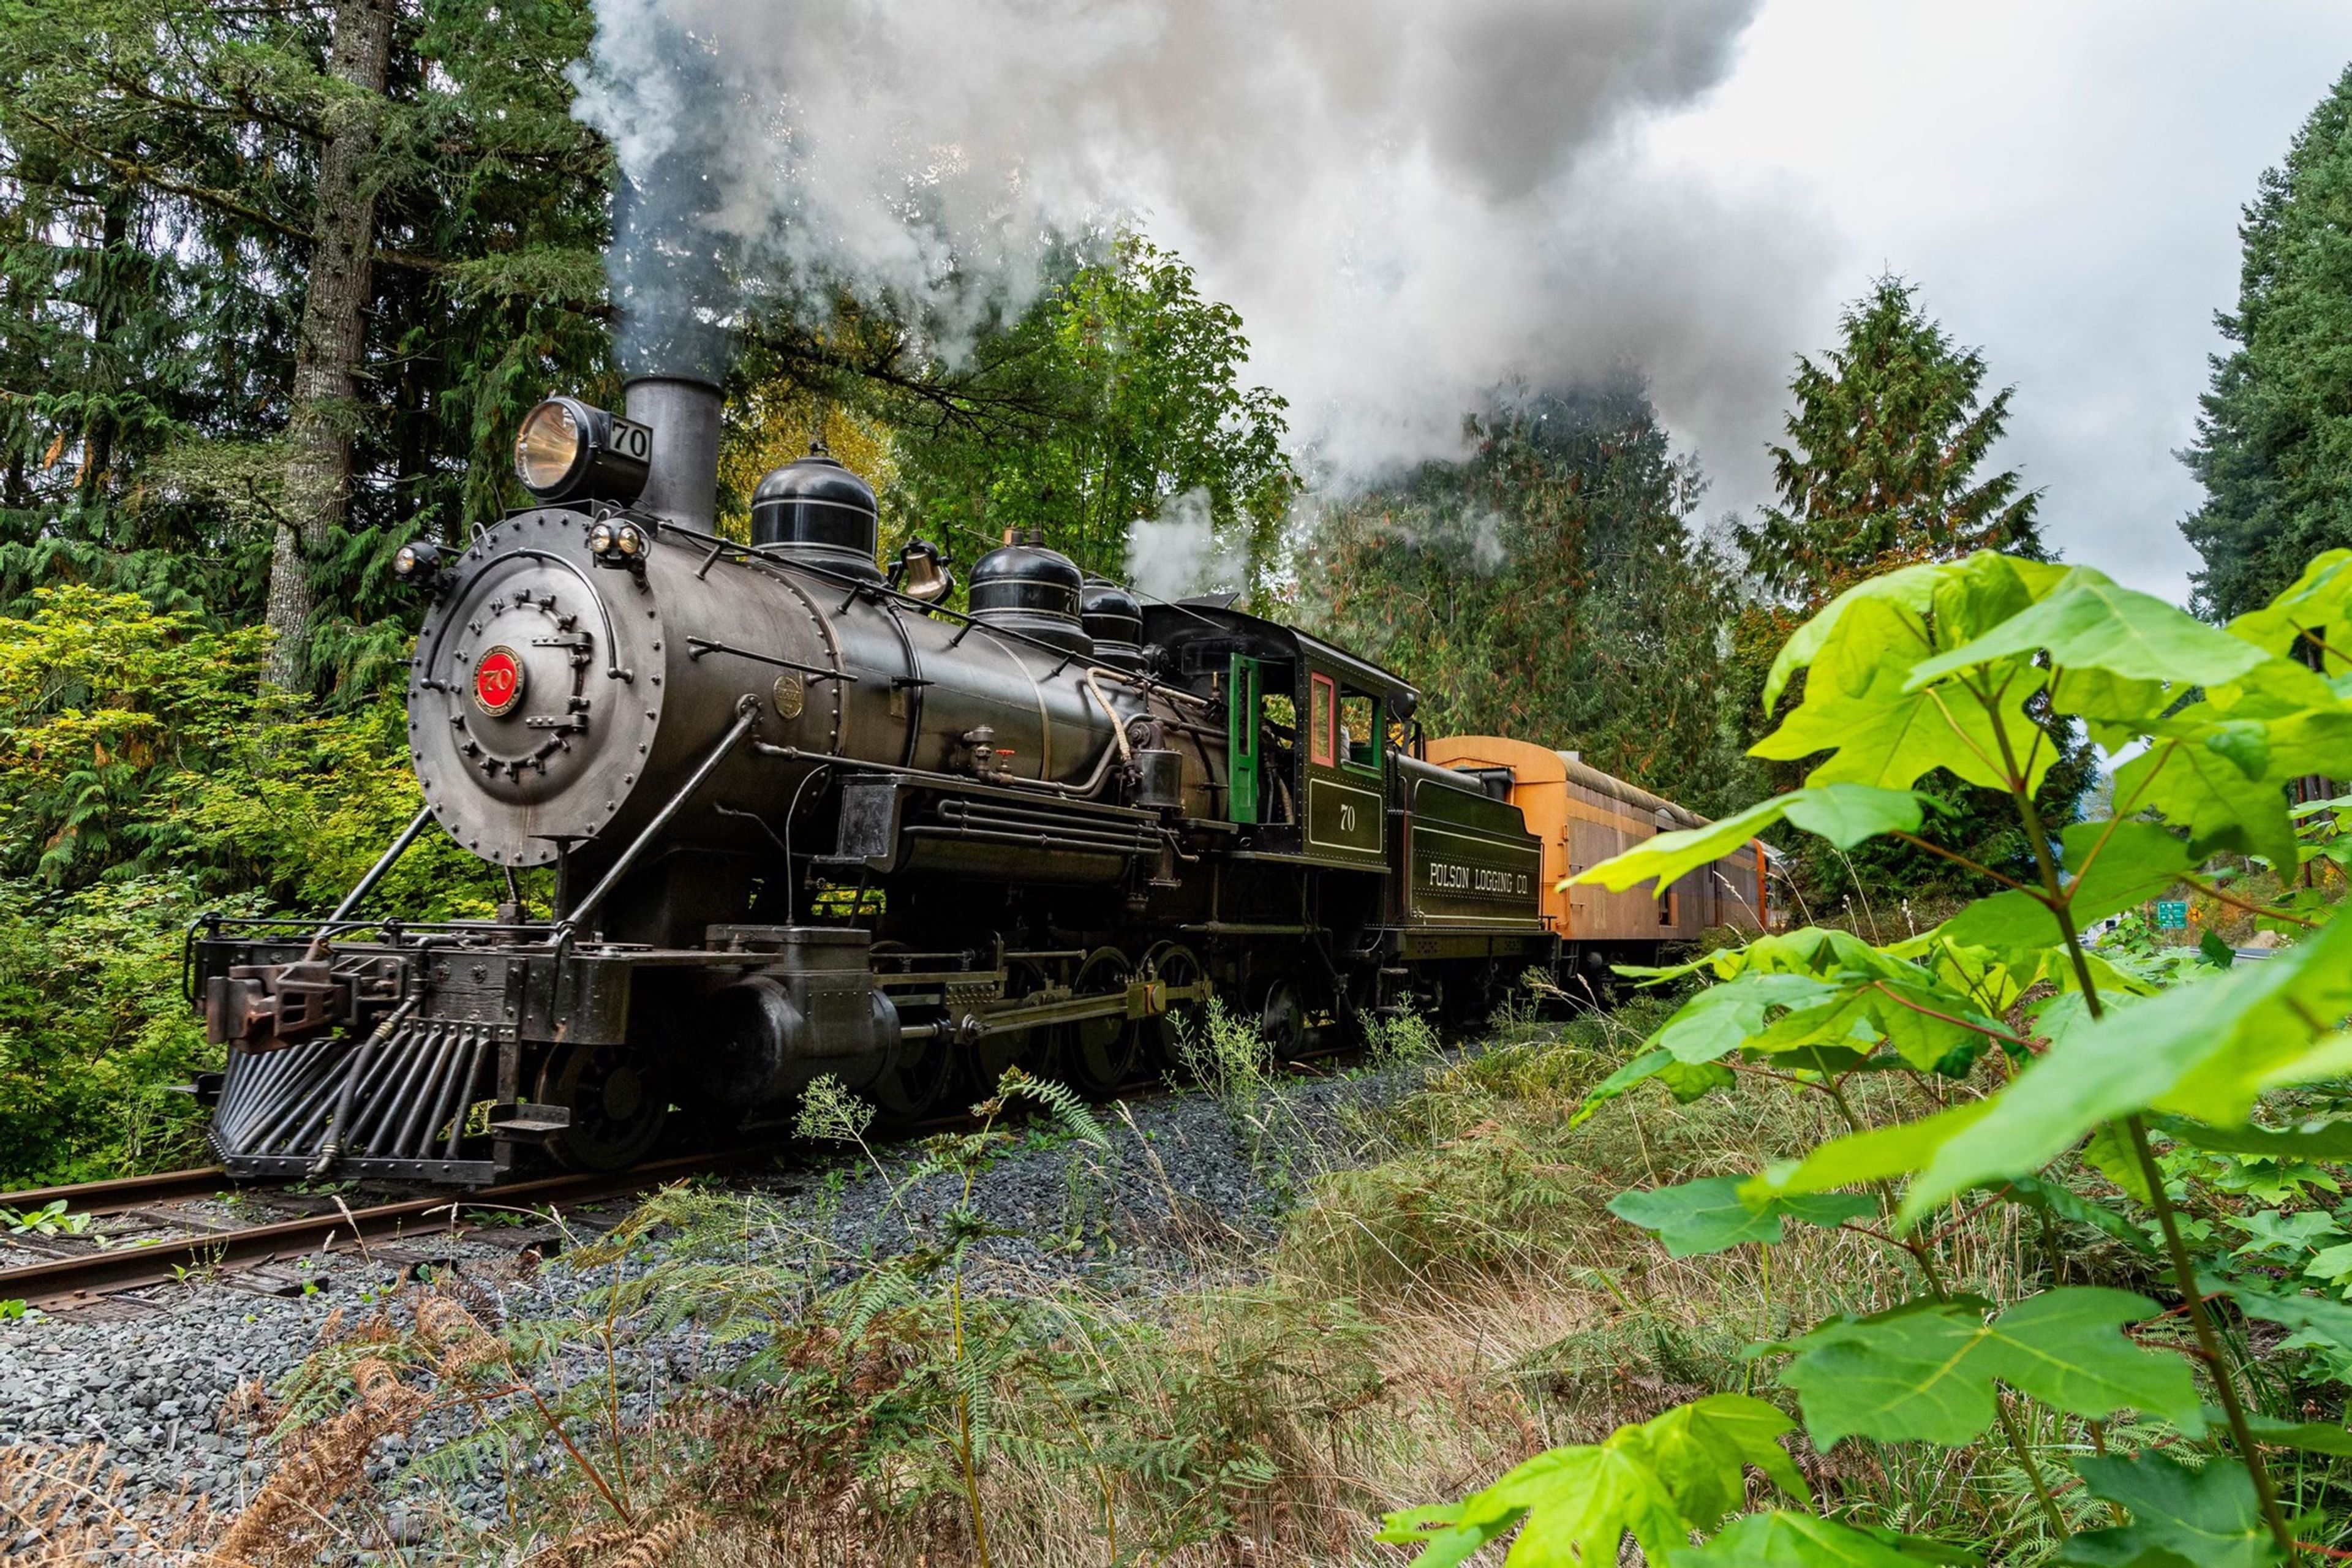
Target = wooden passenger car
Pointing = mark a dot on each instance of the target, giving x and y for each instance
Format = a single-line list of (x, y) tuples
[(1584, 816)]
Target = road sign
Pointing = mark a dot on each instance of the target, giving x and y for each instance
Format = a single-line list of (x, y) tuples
[(2172, 914)]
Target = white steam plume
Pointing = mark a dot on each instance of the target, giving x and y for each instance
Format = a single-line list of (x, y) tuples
[(1408, 202), (1177, 554)]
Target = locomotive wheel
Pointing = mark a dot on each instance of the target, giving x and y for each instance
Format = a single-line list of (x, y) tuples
[(920, 1076), (618, 1109), (1172, 964), (1031, 1050), (916, 1082), (1099, 1055), (1282, 1020)]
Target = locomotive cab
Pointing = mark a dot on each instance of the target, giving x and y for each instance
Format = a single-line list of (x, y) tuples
[(1307, 728)]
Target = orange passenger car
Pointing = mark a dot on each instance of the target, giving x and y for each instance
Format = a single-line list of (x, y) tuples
[(1584, 816)]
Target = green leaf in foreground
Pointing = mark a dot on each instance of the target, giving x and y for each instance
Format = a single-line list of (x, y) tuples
[(2092, 622), (1784, 1540), (1661, 1480), (2311, 1436), (2208, 1518), (2208, 1050), (2330, 1140), (1927, 1370), (1845, 814), (1708, 1215), (1721, 1018), (2319, 601)]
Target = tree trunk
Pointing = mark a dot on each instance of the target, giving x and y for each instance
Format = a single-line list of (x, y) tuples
[(333, 334)]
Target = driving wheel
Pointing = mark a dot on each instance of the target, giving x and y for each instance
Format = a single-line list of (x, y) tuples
[(1282, 1020), (618, 1108), (1031, 1050), (917, 1080), (1173, 965), (1099, 1055)]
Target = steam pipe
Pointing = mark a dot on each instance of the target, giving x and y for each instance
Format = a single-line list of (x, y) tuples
[(682, 481)]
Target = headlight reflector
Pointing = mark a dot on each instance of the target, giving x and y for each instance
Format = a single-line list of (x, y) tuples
[(549, 447)]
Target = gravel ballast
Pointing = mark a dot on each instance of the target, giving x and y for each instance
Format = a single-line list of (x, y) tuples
[(1184, 1178)]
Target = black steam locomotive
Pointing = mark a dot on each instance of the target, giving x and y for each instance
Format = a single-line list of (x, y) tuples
[(806, 819)]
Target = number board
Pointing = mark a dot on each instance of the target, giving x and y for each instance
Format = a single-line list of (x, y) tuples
[(633, 440)]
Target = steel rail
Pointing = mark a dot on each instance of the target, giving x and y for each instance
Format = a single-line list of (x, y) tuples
[(129, 1267), (120, 1193)]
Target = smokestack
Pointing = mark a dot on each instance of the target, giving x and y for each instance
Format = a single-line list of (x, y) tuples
[(683, 484)]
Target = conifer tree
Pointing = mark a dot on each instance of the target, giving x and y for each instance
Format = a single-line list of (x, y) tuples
[(341, 248), (1549, 588), (1885, 439), (2273, 448)]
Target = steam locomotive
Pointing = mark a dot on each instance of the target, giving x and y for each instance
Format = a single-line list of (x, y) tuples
[(803, 817)]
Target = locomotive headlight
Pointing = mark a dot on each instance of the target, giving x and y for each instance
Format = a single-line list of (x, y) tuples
[(417, 564), (600, 539), (549, 447), (568, 450), (629, 541)]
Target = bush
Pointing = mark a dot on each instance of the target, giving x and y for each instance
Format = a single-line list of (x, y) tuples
[(93, 1031)]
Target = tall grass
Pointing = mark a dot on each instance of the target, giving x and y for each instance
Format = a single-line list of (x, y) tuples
[(1455, 1300)]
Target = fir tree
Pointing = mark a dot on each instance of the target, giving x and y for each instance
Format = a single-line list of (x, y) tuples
[(1885, 440), (2273, 447)]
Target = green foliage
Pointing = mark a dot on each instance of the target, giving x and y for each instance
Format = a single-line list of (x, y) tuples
[(2048, 1061), (1927, 1369), (143, 780), (1399, 1038), (1845, 814), (1659, 1480), (94, 1031), (1709, 1216), (1783, 1540), (1134, 407), (1223, 1051), (161, 168), (2210, 1518), (1548, 588), (2274, 438)]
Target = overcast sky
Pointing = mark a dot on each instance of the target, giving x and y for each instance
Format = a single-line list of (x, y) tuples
[(2063, 181)]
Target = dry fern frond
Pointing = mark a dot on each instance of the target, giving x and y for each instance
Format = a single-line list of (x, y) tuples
[(62, 1506), (655, 1545), (287, 1518)]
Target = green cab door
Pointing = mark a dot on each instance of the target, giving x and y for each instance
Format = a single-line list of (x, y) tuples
[(1241, 761)]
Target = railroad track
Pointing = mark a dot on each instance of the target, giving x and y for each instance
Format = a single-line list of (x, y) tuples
[(75, 1276), (86, 1267)]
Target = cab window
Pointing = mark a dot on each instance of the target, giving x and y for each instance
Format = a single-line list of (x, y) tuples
[(1321, 719), (1360, 729)]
